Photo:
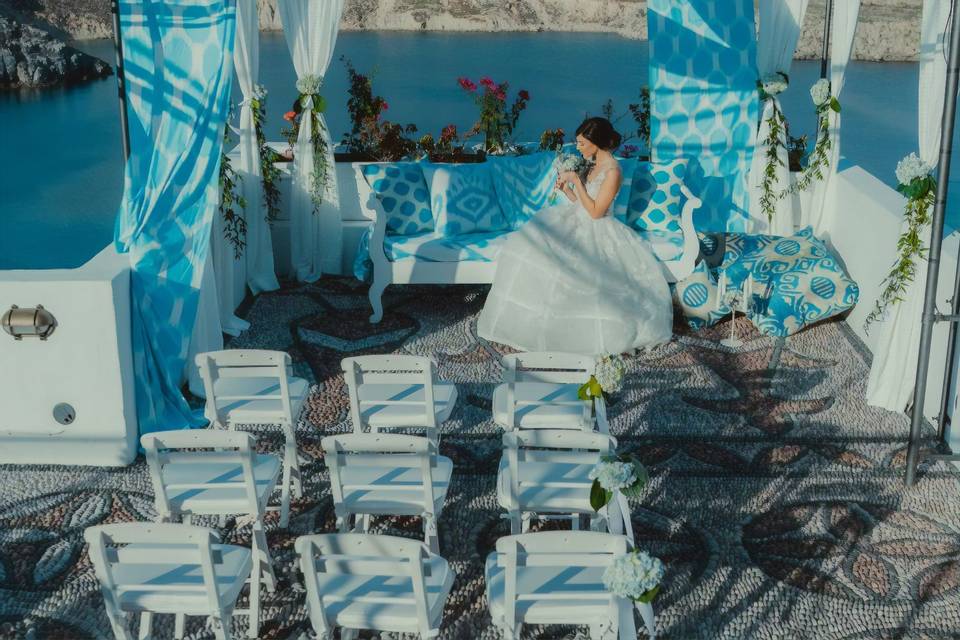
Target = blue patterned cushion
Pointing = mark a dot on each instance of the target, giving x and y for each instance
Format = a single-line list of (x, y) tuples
[(403, 194), (463, 199), (523, 184), (697, 297), (655, 197), (666, 245)]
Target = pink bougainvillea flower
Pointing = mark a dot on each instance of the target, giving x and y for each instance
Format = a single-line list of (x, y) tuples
[(488, 82), (289, 116), (523, 94), (384, 106), (467, 84), (499, 94)]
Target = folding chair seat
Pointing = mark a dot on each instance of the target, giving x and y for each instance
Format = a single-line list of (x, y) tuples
[(373, 474), (209, 472), (397, 391), (255, 387), (165, 568), (539, 391), (384, 583)]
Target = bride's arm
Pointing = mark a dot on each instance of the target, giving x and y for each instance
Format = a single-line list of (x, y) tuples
[(564, 187), (608, 191)]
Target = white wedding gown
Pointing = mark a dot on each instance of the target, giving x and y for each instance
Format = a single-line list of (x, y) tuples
[(569, 282)]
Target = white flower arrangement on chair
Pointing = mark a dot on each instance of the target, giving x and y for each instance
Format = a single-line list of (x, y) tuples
[(636, 575), (607, 378), (622, 473)]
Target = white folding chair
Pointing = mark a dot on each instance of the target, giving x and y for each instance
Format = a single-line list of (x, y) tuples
[(556, 577), (384, 583), (203, 472), (397, 391), (256, 387), (539, 391), (546, 472), (387, 474), (166, 568)]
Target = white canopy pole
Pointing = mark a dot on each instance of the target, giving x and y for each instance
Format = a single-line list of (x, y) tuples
[(843, 30), (780, 24), (258, 253), (894, 368), (310, 28)]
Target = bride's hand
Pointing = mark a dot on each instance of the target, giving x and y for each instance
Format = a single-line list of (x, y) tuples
[(569, 176)]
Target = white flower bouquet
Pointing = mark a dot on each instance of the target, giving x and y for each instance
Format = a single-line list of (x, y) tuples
[(621, 473), (820, 92), (570, 162), (774, 84), (912, 168), (636, 576), (308, 85), (607, 378)]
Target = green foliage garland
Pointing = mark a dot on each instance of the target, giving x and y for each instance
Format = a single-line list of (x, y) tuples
[(819, 159), (270, 173), (777, 124), (234, 225)]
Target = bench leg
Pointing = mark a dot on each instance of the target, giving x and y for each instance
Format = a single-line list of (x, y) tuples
[(377, 287)]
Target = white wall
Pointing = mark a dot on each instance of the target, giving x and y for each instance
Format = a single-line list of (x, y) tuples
[(864, 233), (86, 362)]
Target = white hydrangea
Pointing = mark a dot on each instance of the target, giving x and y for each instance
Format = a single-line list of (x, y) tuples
[(308, 84), (614, 475), (259, 92), (820, 91), (912, 167), (774, 84), (632, 575), (569, 162), (609, 373)]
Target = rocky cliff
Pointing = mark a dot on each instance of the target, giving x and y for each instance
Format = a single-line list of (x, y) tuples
[(888, 30), (31, 57)]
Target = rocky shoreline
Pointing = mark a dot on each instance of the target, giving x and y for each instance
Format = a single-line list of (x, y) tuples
[(32, 58)]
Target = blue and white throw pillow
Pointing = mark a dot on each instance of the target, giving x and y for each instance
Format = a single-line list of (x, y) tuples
[(463, 199), (524, 184), (655, 197), (697, 297), (403, 194)]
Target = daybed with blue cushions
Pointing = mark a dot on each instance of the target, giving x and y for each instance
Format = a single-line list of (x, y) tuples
[(445, 224)]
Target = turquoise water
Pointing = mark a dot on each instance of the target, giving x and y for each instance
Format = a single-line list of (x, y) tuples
[(62, 181)]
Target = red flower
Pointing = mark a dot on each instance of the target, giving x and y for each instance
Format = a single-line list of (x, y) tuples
[(289, 116), (467, 84), (499, 94), (488, 83), (384, 106), (523, 95), (449, 132)]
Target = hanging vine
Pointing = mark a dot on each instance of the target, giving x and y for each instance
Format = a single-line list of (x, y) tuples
[(269, 172), (820, 157), (234, 224), (917, 183), (770, 87)]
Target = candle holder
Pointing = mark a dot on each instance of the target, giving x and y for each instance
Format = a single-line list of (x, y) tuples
[(735, 298)]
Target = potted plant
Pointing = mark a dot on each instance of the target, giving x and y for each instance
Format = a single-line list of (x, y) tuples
[(448, 147), (495, 121)]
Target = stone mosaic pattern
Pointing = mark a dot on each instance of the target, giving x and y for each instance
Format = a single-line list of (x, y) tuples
[(703, 100), (776, 500)]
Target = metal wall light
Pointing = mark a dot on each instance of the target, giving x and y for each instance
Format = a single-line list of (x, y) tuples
[(32, 322)]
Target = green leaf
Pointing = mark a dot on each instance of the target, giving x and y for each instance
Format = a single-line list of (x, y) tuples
[(648, 596), (598, 496), (319, 104), (835, 105)]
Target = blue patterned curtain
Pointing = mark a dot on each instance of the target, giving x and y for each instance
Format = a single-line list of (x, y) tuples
[(703, 100), (178, 63)]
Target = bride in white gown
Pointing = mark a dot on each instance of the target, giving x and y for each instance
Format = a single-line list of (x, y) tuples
[(574, 278)]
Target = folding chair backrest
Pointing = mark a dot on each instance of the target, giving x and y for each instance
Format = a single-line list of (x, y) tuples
[(199, 448), (244, 363), (139, 543), (552, 446), (361, 554), (391, 369), (382, 451), (569, 550), (548, 366)]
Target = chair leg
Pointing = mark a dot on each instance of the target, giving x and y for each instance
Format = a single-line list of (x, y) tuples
[(376, 299), (603, 631), (364, 523), (118, 622), (516, 523), (343, 523), (222, 625), (253, 629), (525, 523), (649, 621), (290, 457), (261, 556), (430, 535), (146, 625), (575, 521), (179, 622)]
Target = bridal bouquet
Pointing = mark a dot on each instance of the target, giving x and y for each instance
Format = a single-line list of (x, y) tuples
[(570, 162), (623, 473), (636, 576)]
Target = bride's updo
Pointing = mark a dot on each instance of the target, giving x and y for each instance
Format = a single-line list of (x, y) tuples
[(600, 132)]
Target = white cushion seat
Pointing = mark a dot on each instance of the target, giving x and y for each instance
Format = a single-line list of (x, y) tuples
[(221, 499), (179, 586), (390, 500), (259, 411), (396, 611), (376, 414), (577, 595), (571, 496), (429, 247), (564, 411), (667, 245)]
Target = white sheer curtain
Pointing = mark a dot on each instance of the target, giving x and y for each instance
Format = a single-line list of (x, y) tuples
[(894, 368), (310, 28), (207, 334), (844, 28), (258, 254), (230, 275), (780, 23)]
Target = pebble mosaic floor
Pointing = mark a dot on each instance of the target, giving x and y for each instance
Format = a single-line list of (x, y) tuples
[(776, 501)]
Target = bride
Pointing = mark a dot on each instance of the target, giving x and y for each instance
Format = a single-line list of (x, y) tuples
[(574, 278)]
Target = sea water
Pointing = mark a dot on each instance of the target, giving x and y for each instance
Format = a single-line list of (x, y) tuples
[(63, 168)]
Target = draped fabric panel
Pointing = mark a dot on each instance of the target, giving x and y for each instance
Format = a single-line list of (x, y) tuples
[(258, 254), (229, 278), (843, 31), (894, 369), (310, 28), (780, 24), (177, 56)]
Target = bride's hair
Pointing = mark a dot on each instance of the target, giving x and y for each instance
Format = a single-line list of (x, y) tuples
[(600, 132)]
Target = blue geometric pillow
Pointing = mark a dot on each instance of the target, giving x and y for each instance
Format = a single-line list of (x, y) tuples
[(655, 197), (697, 297), (523, 184), (463, 199), (403, 194)]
